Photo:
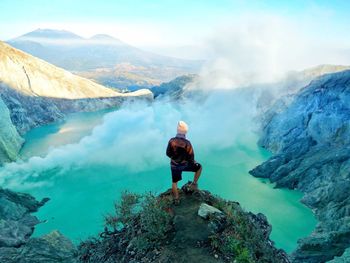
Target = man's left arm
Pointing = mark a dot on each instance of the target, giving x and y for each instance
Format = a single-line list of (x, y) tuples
[(169, 151)]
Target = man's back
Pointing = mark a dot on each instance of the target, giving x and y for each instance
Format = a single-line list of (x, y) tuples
[(180, 151), (182, 159)]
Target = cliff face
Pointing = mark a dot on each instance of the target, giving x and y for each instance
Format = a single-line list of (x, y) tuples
[(27, 112), (309, 134), (17, 225), (292, 83), (10, 140), (35, 93)]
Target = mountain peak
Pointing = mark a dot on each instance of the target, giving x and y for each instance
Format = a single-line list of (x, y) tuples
[(50, 34), (103, 37)]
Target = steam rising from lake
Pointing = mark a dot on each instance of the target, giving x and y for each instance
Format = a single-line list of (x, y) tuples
[(135, 137)]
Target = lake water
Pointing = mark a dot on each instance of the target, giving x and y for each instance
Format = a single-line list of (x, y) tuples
[(81, 196)]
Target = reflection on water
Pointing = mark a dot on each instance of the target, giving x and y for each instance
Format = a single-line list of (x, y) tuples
[(81, 196)]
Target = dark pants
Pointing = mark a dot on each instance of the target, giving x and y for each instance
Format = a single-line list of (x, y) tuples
[(176, 170)]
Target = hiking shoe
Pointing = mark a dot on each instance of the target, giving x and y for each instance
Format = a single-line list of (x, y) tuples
[(194, 186)]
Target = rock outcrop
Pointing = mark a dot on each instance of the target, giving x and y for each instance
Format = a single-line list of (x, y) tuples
[(175, 88), (205, 211), (36, 93), (309, 134), (17, 223), (343, 258), (50, 248), (159, 231), (16, 227)]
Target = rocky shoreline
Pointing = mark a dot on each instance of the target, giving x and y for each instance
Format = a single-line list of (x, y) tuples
[(22, 113), (17, 226), (309, 134)]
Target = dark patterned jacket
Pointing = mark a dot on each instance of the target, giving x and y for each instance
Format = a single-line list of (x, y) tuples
[(180, 151)]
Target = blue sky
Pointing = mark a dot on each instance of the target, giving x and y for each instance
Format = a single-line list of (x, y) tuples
[(189, 17), (187, 28)]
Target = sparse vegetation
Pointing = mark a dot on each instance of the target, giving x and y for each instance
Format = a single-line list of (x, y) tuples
[(155, 220), (138, 224), (242, 238), (143, 229)]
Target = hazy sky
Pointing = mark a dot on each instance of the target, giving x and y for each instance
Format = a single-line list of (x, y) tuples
[(161, 21), (190, 24)]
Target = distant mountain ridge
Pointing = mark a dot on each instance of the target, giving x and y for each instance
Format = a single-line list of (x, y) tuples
[(102, 58), (75, 53), (49, 33)]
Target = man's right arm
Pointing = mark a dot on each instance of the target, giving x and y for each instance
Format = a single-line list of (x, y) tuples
[(190, 152)]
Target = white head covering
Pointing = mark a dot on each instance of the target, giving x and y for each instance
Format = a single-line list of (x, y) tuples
[(182, 127)]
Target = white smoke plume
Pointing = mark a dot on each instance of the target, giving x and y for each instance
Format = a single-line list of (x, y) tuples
[(262, 48), (135, 137)]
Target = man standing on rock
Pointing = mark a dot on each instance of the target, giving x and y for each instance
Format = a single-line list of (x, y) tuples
[(182, 159)]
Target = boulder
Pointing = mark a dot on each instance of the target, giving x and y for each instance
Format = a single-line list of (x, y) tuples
[(16, 222), (205, 211), (51, 248)]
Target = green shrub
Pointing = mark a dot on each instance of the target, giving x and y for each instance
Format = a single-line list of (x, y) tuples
[(143, 218), (228, 245), (244, 256), (124, 212), (155, 220), (127, 206)]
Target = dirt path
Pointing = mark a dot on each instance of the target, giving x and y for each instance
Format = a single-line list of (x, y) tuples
[(190, 242)]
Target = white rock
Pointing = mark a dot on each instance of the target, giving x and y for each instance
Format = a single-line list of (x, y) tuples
[(205, 210)]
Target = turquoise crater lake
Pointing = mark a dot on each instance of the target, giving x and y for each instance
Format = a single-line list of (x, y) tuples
[(80, 196)]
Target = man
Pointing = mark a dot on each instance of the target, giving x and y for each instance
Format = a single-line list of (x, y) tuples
[(182, 159)]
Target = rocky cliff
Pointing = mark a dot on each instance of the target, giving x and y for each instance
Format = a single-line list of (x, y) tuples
[(35, 93), (202, 228), (309, 134), (16, 227), (10, 140), (291, 83)]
